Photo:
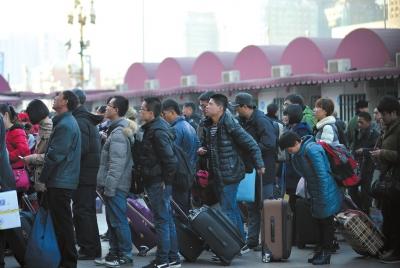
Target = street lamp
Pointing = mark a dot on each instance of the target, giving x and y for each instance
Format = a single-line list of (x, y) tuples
[(80, 13)]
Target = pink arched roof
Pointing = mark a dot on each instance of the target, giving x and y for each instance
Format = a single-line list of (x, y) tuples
[(138, 73), (255, 61), (4, 86), (309, 55), (170, 70), (370, 48), (209, 65)]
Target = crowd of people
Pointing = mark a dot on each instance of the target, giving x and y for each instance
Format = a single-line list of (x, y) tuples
[(74, 155)]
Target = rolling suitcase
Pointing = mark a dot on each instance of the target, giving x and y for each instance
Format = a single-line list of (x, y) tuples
[(276, 229), (190, 244), (218, 232), (360, 232), (140, 220), (307, 228)]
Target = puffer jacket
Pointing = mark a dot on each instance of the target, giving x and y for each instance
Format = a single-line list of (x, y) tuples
[(155, 161), (36, 160), (63, 155), (17, 145), (291, 176), (327, 131), (90, 146), (225, 149), (312, 163), (7, 181), (115, 171), (261, 128), (186, 138)]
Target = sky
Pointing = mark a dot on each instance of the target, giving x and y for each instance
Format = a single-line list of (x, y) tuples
[(117, 37)]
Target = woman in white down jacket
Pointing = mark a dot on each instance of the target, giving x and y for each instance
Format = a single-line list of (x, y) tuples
[(326, 129)]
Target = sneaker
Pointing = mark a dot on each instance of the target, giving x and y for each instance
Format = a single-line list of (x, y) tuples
[(244, 249), (154, 264), (175, 264), (215, 258), (122, 260), (102, 261)]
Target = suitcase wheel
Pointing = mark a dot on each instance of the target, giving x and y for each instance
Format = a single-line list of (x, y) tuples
[(266, 257)]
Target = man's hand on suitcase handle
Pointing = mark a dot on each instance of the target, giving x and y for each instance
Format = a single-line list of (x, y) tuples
[(261, 171)]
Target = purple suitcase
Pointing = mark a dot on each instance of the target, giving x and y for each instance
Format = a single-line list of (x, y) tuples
[(140, 221)]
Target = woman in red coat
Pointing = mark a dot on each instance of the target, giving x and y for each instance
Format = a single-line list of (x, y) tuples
[(16, 140)]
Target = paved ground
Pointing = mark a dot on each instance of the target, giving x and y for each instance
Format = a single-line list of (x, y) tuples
[(345, 257)]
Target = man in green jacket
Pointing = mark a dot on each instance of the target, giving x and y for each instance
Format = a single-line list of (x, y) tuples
[(61, 173), (308, 114)]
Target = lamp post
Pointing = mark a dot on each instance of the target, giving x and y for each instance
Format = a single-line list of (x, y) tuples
[(80, 12)]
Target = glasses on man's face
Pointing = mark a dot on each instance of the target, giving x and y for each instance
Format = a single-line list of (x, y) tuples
[(109, 105)]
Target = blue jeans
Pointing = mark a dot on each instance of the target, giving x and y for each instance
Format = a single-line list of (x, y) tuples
[(118, 227), (229, 206), (255, 215), (160, 201)]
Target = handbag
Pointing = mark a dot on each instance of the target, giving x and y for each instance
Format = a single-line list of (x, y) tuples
[(42, 249), (21, 179), (385, 185), (247, 188)]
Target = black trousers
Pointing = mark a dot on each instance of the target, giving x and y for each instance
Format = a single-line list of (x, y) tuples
[(85, 221), (59, 204), (391, 224), (326, 232)]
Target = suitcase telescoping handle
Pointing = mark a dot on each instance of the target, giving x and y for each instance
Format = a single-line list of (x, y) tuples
[(178, 209)]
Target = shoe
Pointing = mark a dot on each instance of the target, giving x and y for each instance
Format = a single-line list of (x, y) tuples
[(105, 236), (315, 255), (102, 261), (244, 250), (390, 258), (154, 264), (175, 264), (215, 258), (323, 258)]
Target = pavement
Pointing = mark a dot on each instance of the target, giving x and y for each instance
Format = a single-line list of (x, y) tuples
[(345, 257)]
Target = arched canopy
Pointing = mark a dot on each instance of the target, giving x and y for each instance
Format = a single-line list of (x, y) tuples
[(309, 55), (370, 48), (209, 65), (255, 62), (138, 73), (4, 86), (170, 70)]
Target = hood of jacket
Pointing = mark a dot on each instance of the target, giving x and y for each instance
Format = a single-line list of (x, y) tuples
[(82, 112), (326, 121)]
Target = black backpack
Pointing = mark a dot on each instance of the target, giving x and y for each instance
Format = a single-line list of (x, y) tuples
[(185, 174)]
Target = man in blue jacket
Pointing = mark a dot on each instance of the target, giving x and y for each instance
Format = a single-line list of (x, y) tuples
[(61, 173), (186, 138), (261, 128)]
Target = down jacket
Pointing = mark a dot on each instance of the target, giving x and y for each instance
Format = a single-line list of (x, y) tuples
[(7, 181), (155, 161), (115, 171), (225, 150), (90, 149), (312, 163), (17, 145)]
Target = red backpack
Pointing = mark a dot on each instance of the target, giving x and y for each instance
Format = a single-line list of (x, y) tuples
[(344, 167)]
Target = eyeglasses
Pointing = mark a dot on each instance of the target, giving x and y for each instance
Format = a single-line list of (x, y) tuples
[(109, 105), (142, 109)]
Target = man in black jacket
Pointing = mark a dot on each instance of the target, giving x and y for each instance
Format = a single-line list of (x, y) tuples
[(84, 198), (157, 165), (261, 128), (222, 140)]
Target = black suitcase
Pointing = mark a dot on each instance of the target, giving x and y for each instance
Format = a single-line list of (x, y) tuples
[(218, 232), (307, 228), (190, 244)]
